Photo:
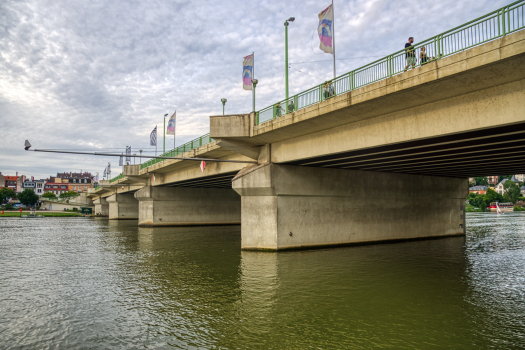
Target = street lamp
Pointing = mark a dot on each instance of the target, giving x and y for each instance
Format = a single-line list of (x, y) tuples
[(140, 158), (254, 82), (164, 140), (291, 19), (223, 100)]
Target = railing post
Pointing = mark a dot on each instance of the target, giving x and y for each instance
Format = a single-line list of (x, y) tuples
[(295, 105), (503, 22), (320, 93), (274, 113), (257, 118)]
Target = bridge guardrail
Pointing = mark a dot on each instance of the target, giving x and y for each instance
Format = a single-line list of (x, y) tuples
[(116, 178), (493, 25), (188, 146)]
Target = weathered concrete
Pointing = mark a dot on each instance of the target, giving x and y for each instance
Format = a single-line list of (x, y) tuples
[(286, 207), (123, 206), (177, 206), (101, 206)]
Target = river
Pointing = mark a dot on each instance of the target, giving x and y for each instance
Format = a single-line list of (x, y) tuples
[(100, 284)]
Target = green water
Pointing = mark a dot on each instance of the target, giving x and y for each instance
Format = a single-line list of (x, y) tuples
[(99, 284)]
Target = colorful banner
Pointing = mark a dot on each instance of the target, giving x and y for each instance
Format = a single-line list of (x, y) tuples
[(104, 176), (128, 154), (247, 72), (326, 19), (121, 161), (171, 125), (153, 137)]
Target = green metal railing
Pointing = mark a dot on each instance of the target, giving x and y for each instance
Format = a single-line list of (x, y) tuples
[(116, 178), (188, 146), (491, 26)]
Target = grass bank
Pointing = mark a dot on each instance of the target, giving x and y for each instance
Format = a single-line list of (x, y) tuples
[(47, 215)]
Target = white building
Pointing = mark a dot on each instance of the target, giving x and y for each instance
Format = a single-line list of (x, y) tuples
[(520, 177), (36, 185), (499, 187)]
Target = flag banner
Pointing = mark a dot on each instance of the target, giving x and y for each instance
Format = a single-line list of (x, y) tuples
[(103, 176), (153, 137), (109, 167), (247, 72), (203, 165), (171, 125), (326, 19), (121, 161), (128, 154)]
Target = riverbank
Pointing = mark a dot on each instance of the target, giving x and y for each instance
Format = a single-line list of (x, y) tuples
[(46, 214)]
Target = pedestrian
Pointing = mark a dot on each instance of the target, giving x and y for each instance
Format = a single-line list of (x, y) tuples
[(291, 107), (326, 90), (423, 55), (410, 54), (278, 109)]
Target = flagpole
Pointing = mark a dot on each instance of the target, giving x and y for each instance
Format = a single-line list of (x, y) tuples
[(333, 35)]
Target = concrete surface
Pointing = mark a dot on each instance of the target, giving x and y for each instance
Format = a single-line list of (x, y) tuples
[(286, 207), (123, 206)]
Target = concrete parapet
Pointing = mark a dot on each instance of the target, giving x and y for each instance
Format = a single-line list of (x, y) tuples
[(179, 206), (287, 207), (123, 206), (101, 206)]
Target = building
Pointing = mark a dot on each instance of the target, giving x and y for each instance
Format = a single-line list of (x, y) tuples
[(500, 187), (478, 189), (520, 177), (78, 182), (13, 182), (472, 180), (522, 190), (36, 185), (493, 180), (56, 186)]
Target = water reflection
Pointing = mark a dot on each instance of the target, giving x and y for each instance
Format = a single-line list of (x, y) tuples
[(99, 284)]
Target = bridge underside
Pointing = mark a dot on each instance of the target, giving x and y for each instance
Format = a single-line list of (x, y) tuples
[(214, 181), (484, 152)]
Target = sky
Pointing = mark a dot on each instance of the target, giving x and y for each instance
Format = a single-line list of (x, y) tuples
[(100, 75)]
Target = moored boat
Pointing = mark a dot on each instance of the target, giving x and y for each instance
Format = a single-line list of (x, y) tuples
[(501, 207)]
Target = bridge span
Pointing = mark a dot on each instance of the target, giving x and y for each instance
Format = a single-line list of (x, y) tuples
[(386, 161)]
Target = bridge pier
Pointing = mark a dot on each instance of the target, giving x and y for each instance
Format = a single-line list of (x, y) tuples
[(123, 206), (184, 206), (290, 207), (101, 206)]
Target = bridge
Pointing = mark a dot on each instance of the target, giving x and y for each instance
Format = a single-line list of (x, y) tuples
[(385, 158)]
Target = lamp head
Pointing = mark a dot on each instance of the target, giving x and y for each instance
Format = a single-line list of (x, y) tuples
[(27, 145), (291, 19), (255, 81), (223, 100), (165, 115)]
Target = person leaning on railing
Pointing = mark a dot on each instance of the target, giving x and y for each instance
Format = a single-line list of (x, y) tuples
[(410, 54), (423, 55)]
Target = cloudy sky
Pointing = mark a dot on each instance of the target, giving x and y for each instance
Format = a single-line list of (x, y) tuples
[(99, 75)]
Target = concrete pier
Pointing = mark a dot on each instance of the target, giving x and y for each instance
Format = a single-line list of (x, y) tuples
[(179, 206), (123, 206), (289, 207), (101, 206)]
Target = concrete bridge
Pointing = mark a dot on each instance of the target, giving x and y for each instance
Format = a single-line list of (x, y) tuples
[(384, 162)]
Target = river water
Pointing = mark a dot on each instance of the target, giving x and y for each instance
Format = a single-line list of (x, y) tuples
[(99, 284)]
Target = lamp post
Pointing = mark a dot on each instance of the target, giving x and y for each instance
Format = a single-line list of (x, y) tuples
[(223, 100), (254, 82), (134, 158), (291, 19), (164, 140), (140, 158)]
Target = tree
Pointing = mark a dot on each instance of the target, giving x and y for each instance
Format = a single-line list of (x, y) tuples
[(6, 193), (69, 194), (49, 195), (512, 191), (482, 181), (28, 197)]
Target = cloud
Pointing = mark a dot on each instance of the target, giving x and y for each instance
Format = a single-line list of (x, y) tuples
[(101, 74)]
